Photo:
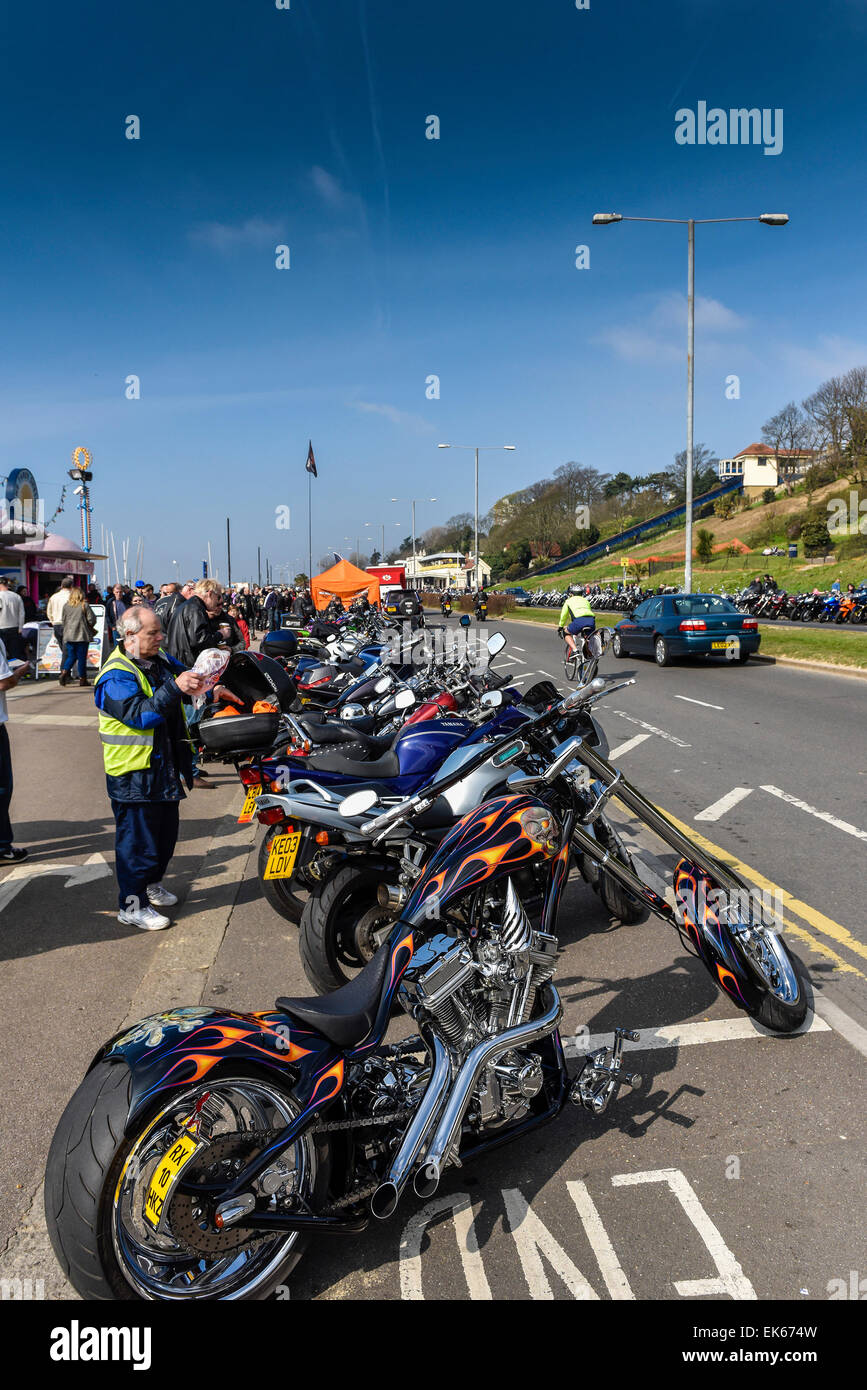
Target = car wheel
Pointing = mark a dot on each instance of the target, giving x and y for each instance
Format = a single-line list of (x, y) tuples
[(617, 647), (661, 652)]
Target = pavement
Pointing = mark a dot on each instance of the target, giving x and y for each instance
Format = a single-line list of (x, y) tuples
[(734, 1171)]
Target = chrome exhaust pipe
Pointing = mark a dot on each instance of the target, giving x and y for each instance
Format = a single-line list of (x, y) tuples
[(387, 1195), (427, 1178)]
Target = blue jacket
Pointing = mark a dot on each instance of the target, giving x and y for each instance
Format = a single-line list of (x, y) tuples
[(120, 696)]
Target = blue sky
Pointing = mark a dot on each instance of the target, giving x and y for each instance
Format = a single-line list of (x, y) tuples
[(409, 257)]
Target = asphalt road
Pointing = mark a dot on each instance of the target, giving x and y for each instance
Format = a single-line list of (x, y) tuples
[(736, 1170)]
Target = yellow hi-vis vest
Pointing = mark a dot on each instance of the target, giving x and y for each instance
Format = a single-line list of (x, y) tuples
[(124, 748)]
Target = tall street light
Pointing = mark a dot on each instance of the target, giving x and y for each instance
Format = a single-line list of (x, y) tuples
[(476, 448), (770, 219), (383, 524), (412, 501)]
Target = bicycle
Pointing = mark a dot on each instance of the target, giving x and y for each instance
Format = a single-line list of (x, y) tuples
[(578, 660)]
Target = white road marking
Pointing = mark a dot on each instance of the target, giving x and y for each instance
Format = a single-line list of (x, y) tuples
[(519, 649), (651, 728), (81, 721), (820, 815), (465, 1233), (841, 1023), (725, 803), (627, 747), (611, 1269), (688, 1034), (15, 880), (533, 1240), (698, 702), (546, 673), (731, 1278), (519, 661)]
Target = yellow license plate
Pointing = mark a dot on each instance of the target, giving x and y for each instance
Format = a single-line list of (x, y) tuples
[(282, 855), (722, 646), (166, 1175), (248, 810)]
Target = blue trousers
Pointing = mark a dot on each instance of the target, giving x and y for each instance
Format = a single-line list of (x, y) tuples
[(579, 624), (75, 651), (146, 833), (5, 789)]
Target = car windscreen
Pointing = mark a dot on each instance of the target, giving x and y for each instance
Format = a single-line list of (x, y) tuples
[(694, 605)]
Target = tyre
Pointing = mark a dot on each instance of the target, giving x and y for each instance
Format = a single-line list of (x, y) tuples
[(570, 665), (661, 653), (617, 647), (97, 1180), (619, 901), (785, 997), (276, 891), (341, 927)]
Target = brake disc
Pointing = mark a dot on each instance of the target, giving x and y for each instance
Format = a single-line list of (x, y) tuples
[(370, 931), (190, 1217)]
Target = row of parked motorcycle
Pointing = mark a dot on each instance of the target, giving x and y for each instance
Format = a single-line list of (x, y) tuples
[(421, 816), (814, 607)]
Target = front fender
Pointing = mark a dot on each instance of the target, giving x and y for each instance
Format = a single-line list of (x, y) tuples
[(169, 1051)]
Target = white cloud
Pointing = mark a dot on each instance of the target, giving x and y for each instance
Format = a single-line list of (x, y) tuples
[(397, 417), (328, 187), (830, 355), (226, 237), (659, 334)]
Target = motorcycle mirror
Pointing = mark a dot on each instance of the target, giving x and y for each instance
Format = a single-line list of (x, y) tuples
[(382, 685), (496, 643), (358, 802), (492, 699), (465, 620), (332, 637), (403, 699)]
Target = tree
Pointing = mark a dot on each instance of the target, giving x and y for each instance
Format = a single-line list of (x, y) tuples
[(374, 557), (768, 495), (301, 580), (815, 536), (725, 506), (704, 474), (704, 545), (792, 430)]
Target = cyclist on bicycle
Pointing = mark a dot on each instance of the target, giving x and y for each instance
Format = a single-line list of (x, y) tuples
[(577, 613)]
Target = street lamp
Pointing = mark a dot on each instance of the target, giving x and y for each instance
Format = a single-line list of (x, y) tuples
[(770, 219), (476, 448), (383, 525), (412, 501)]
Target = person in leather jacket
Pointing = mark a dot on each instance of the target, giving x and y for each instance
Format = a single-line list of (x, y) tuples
[(195, 625)]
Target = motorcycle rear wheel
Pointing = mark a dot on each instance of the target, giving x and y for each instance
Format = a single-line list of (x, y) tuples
[(97, 1177), (276, 891)]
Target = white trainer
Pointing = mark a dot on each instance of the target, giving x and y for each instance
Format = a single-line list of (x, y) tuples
[(160, 896), (146, 918)]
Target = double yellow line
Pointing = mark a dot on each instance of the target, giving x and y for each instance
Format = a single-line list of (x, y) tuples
[(809, 915)]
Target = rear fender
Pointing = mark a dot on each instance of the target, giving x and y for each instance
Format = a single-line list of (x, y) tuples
[(170, 1051)]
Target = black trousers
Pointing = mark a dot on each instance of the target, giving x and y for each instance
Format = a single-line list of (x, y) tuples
[(146, 833), (11, 639), (5, 788)]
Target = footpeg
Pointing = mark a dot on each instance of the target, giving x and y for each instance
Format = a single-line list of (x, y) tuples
[(602, 1075)]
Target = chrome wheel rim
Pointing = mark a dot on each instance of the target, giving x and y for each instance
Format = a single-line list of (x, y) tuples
[(770, 961), (158, 1266)]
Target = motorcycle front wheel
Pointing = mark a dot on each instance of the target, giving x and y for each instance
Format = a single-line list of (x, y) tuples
[(342, 927), (784, 1000), (97, 1182)]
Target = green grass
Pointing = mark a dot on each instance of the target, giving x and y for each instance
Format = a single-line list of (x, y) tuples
[(807, 644), (734, 574)]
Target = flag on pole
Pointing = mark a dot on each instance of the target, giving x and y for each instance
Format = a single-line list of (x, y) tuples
[(311, 462)]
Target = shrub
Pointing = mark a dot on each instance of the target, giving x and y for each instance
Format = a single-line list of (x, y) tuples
[(815, 536), (704, 546), (768, 495), (515, 572)]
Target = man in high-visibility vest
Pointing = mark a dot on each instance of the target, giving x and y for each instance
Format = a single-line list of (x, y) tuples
[(147, 752), (577, 613)]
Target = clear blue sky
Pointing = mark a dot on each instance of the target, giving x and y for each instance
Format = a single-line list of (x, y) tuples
[(409, 257)]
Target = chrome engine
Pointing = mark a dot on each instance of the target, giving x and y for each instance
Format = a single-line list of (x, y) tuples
[(473, 990)]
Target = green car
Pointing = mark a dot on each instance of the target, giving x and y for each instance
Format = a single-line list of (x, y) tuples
[(687, 625)]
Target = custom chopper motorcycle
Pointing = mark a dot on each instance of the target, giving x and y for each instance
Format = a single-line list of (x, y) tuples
[(203, 1148)]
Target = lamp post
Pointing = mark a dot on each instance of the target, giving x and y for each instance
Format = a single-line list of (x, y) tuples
[(476, 448), (412, 501), (770, 219), (382, 524)]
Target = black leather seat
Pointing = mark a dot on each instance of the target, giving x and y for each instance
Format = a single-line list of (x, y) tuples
[(336, 759), (345, 1017)]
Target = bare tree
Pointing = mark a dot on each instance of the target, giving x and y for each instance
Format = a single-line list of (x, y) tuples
[(790, 429)]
